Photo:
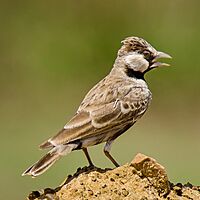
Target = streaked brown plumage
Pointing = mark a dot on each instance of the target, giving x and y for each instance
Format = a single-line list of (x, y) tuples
[(110, 108)]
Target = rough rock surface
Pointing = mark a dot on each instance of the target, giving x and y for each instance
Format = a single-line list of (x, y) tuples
[(142, 179)]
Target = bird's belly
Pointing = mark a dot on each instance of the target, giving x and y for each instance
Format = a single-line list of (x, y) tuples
[(92, 141), (106, 134), (98, 138)]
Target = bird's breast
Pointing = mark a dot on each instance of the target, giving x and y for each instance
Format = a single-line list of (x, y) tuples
[(136, 101)]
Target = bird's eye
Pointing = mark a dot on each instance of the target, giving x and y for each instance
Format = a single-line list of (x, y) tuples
[(147, 54)]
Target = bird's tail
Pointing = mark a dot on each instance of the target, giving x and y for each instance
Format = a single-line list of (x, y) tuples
[(49, 159)]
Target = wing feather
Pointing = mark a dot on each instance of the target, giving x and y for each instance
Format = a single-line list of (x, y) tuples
[(101, 111), (86, 123)]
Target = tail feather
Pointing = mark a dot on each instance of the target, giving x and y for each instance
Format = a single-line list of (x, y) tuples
[(46, 145), (49, 159)]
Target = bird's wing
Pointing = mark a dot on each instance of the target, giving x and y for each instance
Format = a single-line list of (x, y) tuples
[(106, 106), (88, 122), (95, 121)]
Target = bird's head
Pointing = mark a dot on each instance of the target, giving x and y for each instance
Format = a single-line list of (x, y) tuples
[(139, 56)]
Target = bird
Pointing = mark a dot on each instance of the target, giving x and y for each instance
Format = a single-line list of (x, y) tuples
[(109, 109)]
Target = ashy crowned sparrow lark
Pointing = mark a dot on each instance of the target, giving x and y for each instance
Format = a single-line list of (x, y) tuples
[(110, 108)]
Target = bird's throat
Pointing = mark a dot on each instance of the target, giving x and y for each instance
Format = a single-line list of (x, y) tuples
[(134, 74)]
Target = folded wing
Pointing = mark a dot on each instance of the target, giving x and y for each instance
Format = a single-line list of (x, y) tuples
[(86, 123)]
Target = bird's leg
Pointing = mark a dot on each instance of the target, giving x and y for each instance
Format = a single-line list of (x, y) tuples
[(106, 150), (88, 156)]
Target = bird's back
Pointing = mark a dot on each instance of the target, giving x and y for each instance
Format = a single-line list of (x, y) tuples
[(109, 107)]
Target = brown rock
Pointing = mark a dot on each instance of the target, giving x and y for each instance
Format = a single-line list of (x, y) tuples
[(143, 179), (153, 171)]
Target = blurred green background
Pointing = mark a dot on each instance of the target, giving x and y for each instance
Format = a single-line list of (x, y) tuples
[(53, 52)]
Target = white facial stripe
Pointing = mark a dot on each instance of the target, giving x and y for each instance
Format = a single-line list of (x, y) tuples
[(151, 49), (136, 62)]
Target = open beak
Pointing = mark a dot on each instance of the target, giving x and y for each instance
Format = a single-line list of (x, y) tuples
[(159, 55)]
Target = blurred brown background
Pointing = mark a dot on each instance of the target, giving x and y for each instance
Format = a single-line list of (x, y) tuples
[(53, 52)]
